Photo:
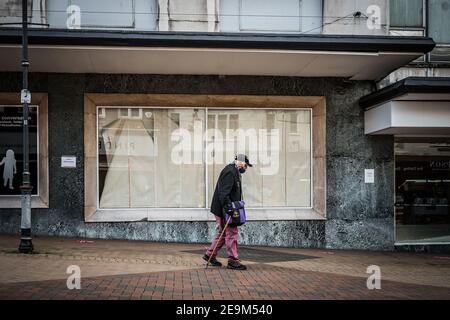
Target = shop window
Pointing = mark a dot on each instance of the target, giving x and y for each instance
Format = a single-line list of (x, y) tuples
[(171, 158), (11, 150), (422, 190), (278, 141)]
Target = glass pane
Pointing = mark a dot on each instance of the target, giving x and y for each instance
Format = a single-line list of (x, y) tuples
[(193, 10), (284, 15), (106, 13), (270, 16), (439, 21), (135, 112), (123, 112), (406, 13), (422, 180), (151, 158), (11, 149), (278, 143)]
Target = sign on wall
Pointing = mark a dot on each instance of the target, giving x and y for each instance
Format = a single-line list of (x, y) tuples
[(68, 162), (369, 175), (11, 151)]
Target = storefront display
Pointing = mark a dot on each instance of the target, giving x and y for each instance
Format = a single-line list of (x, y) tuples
[(11, 151), (422, 179), (171, 157)]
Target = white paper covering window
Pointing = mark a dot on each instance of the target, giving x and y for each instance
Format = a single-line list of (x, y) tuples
[(158, 158)]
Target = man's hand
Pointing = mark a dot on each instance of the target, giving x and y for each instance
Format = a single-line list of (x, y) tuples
[(228, 208)]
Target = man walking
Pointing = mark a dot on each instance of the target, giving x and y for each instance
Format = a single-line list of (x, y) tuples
[(228, 189)]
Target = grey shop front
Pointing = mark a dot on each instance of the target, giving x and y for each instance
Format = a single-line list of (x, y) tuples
[(358, 214), (136, 155)]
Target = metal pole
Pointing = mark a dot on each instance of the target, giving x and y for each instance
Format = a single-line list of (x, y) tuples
[(26, 245)]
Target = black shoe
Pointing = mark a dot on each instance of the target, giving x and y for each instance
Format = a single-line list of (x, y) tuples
[(214, 262), (236, 265)]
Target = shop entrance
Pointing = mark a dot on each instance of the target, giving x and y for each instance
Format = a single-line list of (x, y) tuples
[(422, 190)]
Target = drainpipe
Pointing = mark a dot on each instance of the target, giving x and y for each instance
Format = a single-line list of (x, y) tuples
[(26, 244)]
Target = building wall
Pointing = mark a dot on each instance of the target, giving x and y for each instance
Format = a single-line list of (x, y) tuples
[(359, 215), (339, 18)]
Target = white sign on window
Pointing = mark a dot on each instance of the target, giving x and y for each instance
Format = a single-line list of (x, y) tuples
[(369, 175), (68, 162)]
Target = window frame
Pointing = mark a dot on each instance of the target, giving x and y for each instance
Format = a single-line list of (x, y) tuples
[(408, 139), (319, 149), (41, 199)]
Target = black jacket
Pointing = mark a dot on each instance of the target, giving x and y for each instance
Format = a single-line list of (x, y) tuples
[(228, 189)]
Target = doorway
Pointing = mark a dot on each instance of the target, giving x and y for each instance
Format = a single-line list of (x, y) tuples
[(422, 190)]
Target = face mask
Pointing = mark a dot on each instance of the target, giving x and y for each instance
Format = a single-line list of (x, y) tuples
[(242, 170)]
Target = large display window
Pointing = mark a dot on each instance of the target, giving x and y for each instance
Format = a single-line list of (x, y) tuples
[(422, 189), (11, 149), (157, 157)]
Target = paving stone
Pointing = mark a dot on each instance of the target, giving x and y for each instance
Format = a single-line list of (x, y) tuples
[(143, 270)]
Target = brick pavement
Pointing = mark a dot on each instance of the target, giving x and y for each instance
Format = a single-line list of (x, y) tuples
[(112, 269)]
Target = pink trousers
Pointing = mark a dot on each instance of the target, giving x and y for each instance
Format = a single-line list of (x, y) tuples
[(229, 237)]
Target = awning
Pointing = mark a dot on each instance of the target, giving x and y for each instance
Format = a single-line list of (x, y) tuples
[(413, 106), (88, 51)]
